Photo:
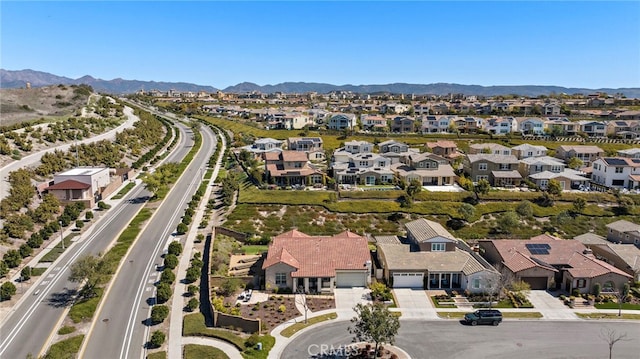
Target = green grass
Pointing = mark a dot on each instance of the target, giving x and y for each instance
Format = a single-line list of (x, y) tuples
[(194, 351), (611, 305), (292, 329), (38, 271), (511, 315), (608, 316), (66, 330), (65, 349), (193, 326), (53, 254), (267, 343), (157, 355), (124, 191), (254, 249), (208, 174), (83, 309)]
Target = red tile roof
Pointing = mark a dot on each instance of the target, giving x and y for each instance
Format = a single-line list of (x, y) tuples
[(69, 184), (318, 256)]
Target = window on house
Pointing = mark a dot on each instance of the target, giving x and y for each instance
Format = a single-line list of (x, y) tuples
[(482, 166), (581, 283), (438, 247), (619, 169), (476, 283), (281, 278), (505, 166)]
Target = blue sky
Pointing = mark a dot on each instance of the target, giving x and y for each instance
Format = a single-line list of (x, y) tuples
[(573, 44)]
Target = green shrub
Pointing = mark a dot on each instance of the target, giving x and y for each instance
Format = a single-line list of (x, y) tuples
[(159, 313), (157, 339)]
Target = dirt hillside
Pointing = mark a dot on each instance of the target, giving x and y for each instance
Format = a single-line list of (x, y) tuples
[(19, 105)]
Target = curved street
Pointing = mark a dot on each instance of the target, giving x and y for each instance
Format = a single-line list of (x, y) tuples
[(511, 339)]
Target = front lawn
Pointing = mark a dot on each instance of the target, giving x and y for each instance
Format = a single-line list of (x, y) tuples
[(254, 249), (194, 351), (193, 325)]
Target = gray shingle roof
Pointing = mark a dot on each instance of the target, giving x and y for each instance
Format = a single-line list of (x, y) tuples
[(624, 226), (398, 257), (423, 229)]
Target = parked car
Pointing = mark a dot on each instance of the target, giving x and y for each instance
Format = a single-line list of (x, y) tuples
[(245, 296), (484, 316)]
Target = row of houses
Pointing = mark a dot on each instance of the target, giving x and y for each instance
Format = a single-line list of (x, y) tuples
[(356, 163), (430, 257)]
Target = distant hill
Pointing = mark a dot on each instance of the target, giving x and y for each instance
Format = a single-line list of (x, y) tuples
[(19, 79), (432, 89)]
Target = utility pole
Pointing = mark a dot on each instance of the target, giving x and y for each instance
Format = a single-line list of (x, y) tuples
[(76, 140)]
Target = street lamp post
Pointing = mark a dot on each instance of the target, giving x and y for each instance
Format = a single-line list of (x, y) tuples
[(61, 237)]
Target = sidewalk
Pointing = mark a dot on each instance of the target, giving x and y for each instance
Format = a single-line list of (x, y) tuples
[(175, 339)]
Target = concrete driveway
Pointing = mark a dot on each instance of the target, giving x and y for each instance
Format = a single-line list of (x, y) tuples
[(347, 298), (414, 304), (550, 306)]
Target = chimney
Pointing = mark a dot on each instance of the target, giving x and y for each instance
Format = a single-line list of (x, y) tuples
[(587, 252)]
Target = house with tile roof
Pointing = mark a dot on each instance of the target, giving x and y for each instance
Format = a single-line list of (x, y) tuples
[(287, 168), (374, 123), (85, 184), (444, 148), (432, 259), (363, 168), (316, 264), (547, 262)]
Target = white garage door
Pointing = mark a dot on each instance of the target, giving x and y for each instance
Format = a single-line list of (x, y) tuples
[(408, 280), (350, 279)]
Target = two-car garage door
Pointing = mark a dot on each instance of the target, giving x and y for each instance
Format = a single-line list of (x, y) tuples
[(536, 282), (351, 279), (408, 280)]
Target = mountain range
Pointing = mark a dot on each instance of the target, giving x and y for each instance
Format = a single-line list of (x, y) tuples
[(17, 79)]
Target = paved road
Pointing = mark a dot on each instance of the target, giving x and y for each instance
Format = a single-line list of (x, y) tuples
[(511, 339), (34, 158), (36, 316), (119, 329)]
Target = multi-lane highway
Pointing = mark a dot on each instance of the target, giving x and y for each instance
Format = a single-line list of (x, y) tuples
[(27, 329), (118, 330)]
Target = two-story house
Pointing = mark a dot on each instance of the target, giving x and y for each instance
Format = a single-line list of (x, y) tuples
[(593, 128), (403, 124), (561, 126), (343, 154), (531, 126), (624, 232), (312, 146), (587, 154), (437, 124), (630, 153), (499, 170), (541, 170), (616, 172), (468, 124), (433, 259), (500, 126), (363, 169), (444, 148), (262, 145), (288, 168), (395, 151), (429, 169), (490, 148), (627, 129), (374, 123), (526, 150), (342, 121)]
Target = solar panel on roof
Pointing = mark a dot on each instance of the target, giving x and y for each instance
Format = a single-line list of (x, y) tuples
[(538, 248), (616, 161), (636, 160), (621, 123)]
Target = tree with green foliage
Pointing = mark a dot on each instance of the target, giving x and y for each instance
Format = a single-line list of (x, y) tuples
[(167, 276), (79, 223), (182, 228), (175, 248), (192, 275), (25, 250), (170, 261), (157, 339), (159, 313), (85, 269), (374, 323), (25, 273), (508, 221), (12, 258), (193, 289), (466, 211), (575, 163), (482, 187), (525, 209), (554, 188), (88, 215), (7, 290), (163, 292), (414, 187), (4, 269), (578, 205), (193, 304)]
